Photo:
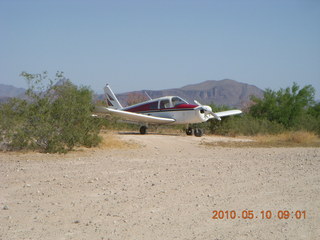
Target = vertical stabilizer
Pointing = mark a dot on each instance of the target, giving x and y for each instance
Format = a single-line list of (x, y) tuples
[(112, 100)]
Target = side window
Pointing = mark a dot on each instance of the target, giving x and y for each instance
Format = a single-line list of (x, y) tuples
[(153, 106), (164, 104), (177, 101)]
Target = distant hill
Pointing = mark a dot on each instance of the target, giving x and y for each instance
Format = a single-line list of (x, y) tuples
[(7, 91), (10, 91), (224, 92)]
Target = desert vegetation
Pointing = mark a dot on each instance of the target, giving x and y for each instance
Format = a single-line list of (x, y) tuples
[(54, 117)]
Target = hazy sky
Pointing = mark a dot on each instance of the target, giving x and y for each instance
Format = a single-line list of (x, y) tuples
[(148, 44)]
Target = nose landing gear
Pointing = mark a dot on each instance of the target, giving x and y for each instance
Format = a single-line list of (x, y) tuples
[(198, 132)]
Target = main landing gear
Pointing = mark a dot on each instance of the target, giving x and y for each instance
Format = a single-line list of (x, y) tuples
[(143, 129), (196, 131)]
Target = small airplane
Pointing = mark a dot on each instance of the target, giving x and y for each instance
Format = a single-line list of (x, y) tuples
[(165, 110)]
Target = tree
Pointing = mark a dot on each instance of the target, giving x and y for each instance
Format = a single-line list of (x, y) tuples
[(285, 106), (315, 111)]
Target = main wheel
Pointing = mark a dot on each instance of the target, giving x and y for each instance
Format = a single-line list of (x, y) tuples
[(198, 132), (143, 129), (189, 131)]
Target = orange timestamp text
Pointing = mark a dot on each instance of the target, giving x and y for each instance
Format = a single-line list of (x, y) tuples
[(263, 214)]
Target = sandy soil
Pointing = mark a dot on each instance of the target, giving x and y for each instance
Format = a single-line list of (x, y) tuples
[(167, 188)]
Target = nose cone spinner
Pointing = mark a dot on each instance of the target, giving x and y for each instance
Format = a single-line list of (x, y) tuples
[(207, 112)]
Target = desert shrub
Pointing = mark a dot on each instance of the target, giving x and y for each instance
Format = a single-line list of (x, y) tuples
[(12, 121), (55, 117), (311, 121), (244, 125), (307, 123)]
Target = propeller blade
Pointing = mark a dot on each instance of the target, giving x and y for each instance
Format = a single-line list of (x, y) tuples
[(216, 116), (196, 102)]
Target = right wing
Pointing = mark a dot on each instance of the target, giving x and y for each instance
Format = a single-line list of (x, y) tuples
[(228, 113), (135, 117)]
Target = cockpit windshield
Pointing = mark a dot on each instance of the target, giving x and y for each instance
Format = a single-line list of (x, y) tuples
[(177, 101)]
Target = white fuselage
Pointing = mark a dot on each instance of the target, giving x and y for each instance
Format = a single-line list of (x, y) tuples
[(181, 116)]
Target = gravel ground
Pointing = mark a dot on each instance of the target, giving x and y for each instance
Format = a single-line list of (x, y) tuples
[(170, 187)]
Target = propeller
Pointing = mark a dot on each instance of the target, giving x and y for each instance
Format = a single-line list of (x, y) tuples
[(208, 110)]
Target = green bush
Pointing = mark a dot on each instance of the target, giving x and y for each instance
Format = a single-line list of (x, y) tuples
[(55, 118), (244, 125), (308, 123)]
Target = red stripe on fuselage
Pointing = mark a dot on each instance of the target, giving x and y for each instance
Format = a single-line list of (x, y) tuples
[(185, 106), (149, 107)]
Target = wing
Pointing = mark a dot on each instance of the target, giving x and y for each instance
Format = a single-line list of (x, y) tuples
[(228, 113), (136, 117)]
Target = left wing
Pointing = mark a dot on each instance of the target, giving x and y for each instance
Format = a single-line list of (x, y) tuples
[(136, 117)]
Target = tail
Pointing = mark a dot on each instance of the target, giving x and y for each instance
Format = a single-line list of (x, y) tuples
[(112, 100)]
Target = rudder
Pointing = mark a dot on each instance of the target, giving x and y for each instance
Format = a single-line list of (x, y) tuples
[(112, 100)]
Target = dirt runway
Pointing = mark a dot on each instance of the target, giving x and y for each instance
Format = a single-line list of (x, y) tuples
[(165, 187)]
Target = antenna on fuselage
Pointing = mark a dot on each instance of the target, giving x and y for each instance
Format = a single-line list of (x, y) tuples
[(147, 95)]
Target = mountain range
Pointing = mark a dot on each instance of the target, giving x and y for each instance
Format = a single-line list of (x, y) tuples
[(224, 92)]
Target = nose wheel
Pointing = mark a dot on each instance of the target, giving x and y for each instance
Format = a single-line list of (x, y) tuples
[(196, 131)]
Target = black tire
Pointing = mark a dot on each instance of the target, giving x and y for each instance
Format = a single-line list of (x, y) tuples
[(189, 131), (198, 132), (143, 129)]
